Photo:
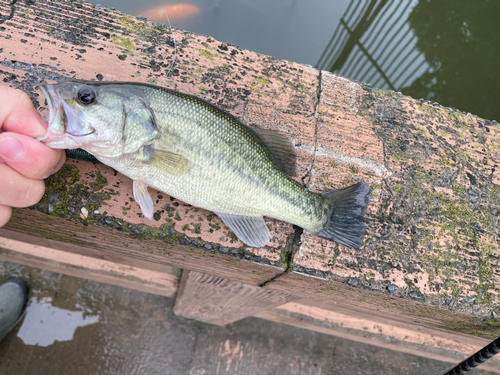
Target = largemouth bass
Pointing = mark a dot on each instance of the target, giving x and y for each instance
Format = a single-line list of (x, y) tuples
[(196, 152)]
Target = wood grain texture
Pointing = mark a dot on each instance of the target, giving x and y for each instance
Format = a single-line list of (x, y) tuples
[(121, 245), (219, 301), (383, 308), (431, 252), (41, 253), (387, 336), (432, 225)]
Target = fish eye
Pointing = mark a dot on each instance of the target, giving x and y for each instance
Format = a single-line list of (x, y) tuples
[(86, 96)]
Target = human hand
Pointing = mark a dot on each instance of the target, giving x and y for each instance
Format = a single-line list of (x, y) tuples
[(24, 161)]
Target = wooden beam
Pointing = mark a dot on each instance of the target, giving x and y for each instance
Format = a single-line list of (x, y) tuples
[(433, 228), (135, 247), (219, 301), (436, 345), (95, 265)]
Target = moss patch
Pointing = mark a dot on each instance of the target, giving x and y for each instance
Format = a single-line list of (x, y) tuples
[(438, 212), (207, 54)]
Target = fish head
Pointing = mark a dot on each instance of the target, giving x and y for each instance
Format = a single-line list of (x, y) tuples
[(84, 115)]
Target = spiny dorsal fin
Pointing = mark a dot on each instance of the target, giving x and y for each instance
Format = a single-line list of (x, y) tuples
[(280, 147), (170, 162)]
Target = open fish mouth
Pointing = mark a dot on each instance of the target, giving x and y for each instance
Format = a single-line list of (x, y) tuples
[(64, 121), (56, 120), (49, 94)]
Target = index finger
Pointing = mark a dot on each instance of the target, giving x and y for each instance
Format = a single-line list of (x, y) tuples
[(18, 115)]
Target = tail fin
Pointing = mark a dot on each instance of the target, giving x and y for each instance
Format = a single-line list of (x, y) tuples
[(346, 224)]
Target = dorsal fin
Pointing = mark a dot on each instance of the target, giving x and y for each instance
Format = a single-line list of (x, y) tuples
[(280, 147)]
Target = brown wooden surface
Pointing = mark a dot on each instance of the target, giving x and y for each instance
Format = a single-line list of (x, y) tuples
[(95, 265), (431, 251), (134, 249), (219, 301), (435, 345)]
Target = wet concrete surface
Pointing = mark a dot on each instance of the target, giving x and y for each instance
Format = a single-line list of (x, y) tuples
[(77, 326)]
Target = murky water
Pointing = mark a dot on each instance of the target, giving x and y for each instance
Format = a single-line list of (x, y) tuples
[(442, 50)]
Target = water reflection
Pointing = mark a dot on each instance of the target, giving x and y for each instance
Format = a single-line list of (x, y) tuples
[(460, 40), (441, 50), (374, 43), (45, 324), (174, 12)]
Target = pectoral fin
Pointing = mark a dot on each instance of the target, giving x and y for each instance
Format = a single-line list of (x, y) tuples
[(251, 230), (170, 162), (142, 197)]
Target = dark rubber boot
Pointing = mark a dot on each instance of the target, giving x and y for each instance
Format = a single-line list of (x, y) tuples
[(13, 300)]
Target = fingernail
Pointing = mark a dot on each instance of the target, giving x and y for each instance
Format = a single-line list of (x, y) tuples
[(44, 124), (11, 148)]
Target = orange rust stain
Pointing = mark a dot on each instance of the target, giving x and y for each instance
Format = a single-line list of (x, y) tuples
[(174, 11)]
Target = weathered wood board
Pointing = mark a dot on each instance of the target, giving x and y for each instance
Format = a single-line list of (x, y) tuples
[(438, 345), (138, 246), (431, 251), (219, 301), (106, 266)]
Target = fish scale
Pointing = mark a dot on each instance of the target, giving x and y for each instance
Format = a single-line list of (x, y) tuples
[(244, 164), (192, 150)]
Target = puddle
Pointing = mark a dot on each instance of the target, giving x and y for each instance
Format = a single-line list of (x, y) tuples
[(45, 324)]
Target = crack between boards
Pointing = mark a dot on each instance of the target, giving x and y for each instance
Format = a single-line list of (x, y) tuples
[(293, 242), (288, 254), (308, 175)]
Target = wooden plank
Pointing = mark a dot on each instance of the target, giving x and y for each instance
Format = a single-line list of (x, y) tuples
[(66, 258), (219, 301), (406, 340), (433, 228), (121, 245), (114, 48), (384, 308)]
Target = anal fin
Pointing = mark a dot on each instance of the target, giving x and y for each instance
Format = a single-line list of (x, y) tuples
[(142, 197), (252, 231)]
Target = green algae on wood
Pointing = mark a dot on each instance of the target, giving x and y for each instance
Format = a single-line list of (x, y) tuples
[(436, 212)]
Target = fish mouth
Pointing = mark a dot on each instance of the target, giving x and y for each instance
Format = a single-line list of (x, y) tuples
[(57, 126), (64, 130), (49, 94)]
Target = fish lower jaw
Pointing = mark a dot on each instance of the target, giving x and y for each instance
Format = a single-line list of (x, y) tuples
[(55, 140)]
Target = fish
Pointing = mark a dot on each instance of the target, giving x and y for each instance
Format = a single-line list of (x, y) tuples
[(194, 151), (174, 11)]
